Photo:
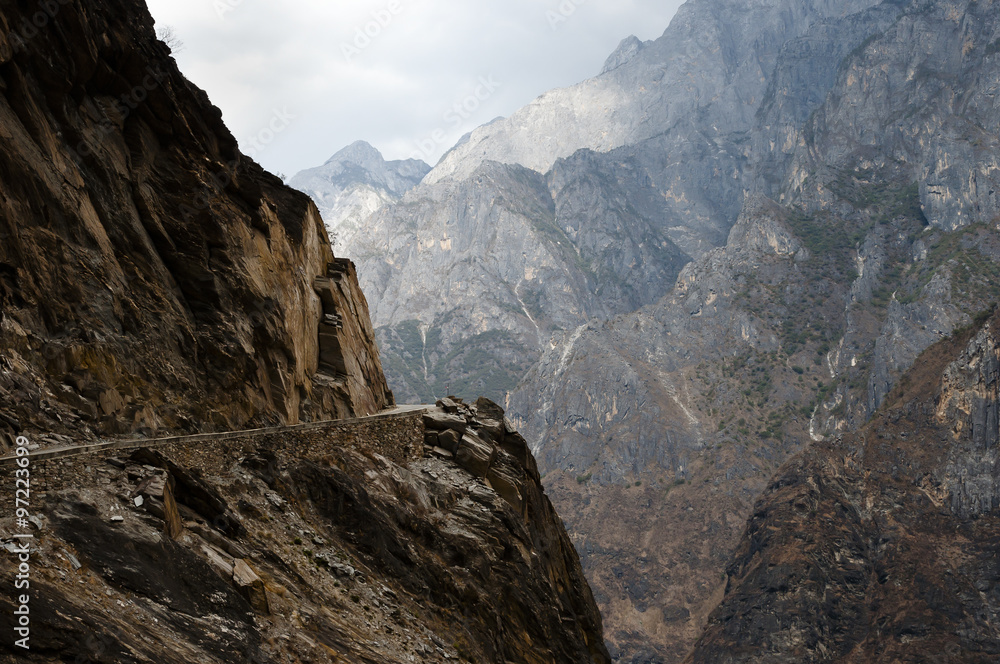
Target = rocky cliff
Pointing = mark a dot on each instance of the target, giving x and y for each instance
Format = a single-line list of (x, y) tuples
[(151, 276), (880, 545), (833, 280), (584, 204), (154, 279), (353, 184), (348, 542)]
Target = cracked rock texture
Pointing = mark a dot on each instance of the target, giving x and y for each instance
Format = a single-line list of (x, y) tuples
[(151, 276), (304, 547), (880, 546)]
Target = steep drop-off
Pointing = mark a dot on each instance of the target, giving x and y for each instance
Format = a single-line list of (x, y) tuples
[(346, 543), (879, 238), (880, 546), (151, 276)]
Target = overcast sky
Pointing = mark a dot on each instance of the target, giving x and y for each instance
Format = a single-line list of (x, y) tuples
[(308, 69)]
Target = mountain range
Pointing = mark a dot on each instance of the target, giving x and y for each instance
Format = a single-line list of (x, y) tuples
[(207, 461), (721, 251)]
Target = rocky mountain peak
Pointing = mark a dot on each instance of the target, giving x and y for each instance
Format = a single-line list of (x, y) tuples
[(354, 183), (361, 153), (360, 163), (627, 49)]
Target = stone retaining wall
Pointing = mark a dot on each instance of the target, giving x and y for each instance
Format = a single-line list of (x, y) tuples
[(396, 436)]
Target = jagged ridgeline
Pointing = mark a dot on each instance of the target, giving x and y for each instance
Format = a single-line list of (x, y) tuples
[(728, 245), (153, 279)]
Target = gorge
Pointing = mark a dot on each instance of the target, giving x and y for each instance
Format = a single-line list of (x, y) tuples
[(693, 361), (725, 248)]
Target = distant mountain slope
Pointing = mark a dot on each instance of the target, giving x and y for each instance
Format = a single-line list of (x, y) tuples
[(622, 180), (712, 62), (353, 184), (472, 279), (880, 545), (879, 239)]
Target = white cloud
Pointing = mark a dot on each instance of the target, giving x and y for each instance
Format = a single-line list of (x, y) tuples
[(425, 56)]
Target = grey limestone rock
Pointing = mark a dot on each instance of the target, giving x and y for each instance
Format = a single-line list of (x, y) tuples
[(354, 183)]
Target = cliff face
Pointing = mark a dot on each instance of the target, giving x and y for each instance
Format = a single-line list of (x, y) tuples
[(151, 276), (585, 204), (881, 545), (346, 542), (836, 276)]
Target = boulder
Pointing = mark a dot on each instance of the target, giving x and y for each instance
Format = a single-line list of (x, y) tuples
[(441, 421), (447, 405), (475, 455), (487, 408), (250, 586), (490, 429), (449, 440)]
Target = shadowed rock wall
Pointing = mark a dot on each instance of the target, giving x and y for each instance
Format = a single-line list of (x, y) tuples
[(151, 276)]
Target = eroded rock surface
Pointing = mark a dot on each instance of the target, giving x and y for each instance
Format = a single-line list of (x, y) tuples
[(289, 556), (151, 276), (880, 545)]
